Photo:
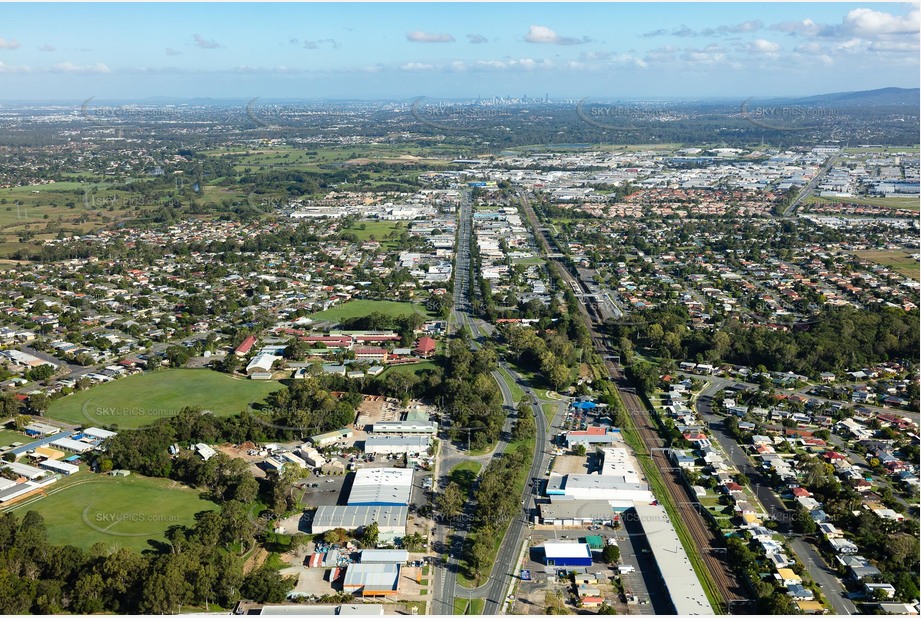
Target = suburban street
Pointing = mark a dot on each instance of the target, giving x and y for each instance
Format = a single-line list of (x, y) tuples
[(831, 586)]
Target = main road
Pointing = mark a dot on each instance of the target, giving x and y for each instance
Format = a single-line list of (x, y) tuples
[(446, 569)]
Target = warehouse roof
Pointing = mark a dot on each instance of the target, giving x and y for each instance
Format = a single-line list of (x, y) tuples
[(577, 509), (681, 581), (397, 556), (566, 550), (381, 486), (351, 517), (372, 576)]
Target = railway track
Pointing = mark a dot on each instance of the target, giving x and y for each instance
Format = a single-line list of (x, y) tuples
[(705, 539)]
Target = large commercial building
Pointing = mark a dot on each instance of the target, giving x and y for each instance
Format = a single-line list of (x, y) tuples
[(381, 487), (403, 428), (372, 580), (684, 589), (384, 556), (397, 445), (391, 520), (565, 511), (592, 436), (618, 480), (558, 554)]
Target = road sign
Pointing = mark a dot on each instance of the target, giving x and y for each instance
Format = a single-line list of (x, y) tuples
[(525, 575)]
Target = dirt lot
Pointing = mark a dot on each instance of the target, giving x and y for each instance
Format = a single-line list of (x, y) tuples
[(571, 464), (375, 409)]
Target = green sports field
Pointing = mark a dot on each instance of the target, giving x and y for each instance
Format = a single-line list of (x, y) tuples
[(8, 436), (358, 308), (129, 511), (143, 398)]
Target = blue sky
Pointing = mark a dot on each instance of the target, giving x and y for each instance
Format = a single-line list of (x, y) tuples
[(402, 51)]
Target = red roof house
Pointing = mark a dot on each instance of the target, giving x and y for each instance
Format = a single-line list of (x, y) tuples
[(425, 347)]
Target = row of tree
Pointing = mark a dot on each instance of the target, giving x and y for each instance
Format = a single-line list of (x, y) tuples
[(196, 567)]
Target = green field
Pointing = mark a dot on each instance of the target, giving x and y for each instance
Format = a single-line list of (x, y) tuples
[(141, 399), (41, 211), (8, 436), (897, 203), (359, 308), (414, 368), (379, 230), (128, 511), (899, 261)]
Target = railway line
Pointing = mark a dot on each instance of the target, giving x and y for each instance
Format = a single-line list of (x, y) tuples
[(706, 542)]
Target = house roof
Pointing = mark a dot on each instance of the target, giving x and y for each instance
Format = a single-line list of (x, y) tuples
[(425, 344)]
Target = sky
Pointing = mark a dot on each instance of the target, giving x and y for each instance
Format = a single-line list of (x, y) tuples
[(370, 51)]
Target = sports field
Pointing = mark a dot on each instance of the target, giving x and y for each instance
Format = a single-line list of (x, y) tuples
[(899, 261), (143, 398), (8, 436), (127, 511), (358, 308)]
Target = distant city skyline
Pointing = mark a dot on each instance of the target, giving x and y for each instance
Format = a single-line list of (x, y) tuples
[(400, 51)]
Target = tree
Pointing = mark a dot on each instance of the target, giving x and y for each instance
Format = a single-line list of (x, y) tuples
[(481, 551), (413, 542), (88, 594), (610, 554), (38, 403), (370, 535), (802, 522), (606, 610), (451, 501), (579, 450), (266, 585), (525, 427)]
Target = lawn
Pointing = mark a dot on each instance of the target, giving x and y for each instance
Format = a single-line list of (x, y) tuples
[(898, 261), (513, 386), (360, 308), (413, 368), (128, 511), (549, 410), (897, 203), (472, 607), (364, 230), (8, 436), (141, 399), (464, 474)]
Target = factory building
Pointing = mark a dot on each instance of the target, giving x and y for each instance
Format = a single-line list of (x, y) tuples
[(381, 487)]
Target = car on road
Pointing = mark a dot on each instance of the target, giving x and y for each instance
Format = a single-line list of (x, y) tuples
[(329, 480)]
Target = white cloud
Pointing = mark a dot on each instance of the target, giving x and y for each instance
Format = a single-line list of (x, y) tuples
[(9, 44), (47, 47), (6, 68), (173, 52), (203, 43), (544, 35), (418, 36), (70, 67), (417, 66), (895, 46), (321, 42), (805, 27), (477, 39), (869, 23), (763, 46)]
